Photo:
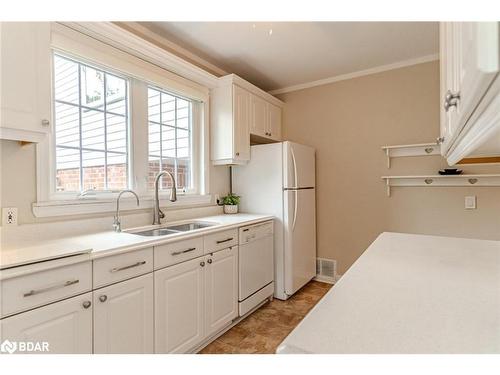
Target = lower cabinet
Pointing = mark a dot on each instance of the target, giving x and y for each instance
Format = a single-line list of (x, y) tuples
[(221, 289), (66, 326), (195, 299), (123, 317)]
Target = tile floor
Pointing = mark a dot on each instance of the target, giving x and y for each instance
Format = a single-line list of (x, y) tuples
[(266, 328)]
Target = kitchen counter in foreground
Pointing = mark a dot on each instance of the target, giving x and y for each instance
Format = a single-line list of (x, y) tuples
[(409, 294), (107, 243)]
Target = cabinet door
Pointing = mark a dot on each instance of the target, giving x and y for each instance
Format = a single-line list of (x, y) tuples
[(258, 124), (448, 80), (241, 124), (478, 55), (66, 326), (469, 58), (25, 71), (221, 289), (123, 317), (179, 307), (274, 121)]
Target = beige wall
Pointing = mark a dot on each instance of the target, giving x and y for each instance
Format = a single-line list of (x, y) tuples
[(18, 181), (347, 122)]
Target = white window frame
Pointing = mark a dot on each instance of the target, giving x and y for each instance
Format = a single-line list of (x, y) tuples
[(51, 203), (54, 195)]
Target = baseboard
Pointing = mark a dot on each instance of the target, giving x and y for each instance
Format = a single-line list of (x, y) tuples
[(328, 280), (324, 279)]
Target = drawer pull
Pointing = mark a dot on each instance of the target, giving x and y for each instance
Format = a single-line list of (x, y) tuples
[(113, 270), (50, 288), (226, 240), (184, 251)]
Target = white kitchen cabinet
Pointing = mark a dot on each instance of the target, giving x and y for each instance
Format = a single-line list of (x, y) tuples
[(194, 300), (239, 109), (470, 88), (230, 135), (241, 127), (273, 121), (123, 317), (221, 289), (265, 119), (179, 307), (25, 84), (66, 326), (258, 116)]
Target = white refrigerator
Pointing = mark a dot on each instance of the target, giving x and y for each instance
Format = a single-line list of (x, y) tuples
[(280, 180)]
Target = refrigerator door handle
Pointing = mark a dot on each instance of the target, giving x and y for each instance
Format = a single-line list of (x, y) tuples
[(294, 168), (295, 204)]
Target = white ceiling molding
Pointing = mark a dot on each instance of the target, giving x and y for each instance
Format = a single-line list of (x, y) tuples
[(359, 73), (127, 41), (140, 30)]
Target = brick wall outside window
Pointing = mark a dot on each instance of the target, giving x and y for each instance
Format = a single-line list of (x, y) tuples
[(117, 177)]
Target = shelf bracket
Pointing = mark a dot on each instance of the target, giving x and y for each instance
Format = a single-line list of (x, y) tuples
[(388, 154)]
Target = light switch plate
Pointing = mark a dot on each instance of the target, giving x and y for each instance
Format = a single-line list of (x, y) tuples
[(470, 202), (9, 216)]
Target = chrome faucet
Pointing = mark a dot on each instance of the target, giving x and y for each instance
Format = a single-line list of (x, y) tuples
[(117, 225), (157, 213)]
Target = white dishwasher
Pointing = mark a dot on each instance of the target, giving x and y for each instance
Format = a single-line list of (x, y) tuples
[(256, 268)]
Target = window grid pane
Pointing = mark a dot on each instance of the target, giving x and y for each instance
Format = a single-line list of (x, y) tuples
[(91, 113), (169, 138)]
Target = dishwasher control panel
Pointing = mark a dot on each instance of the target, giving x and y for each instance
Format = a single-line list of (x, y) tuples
[(254, 232)]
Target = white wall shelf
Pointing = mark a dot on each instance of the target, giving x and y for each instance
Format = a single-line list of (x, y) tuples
[(420, 149), (462, 180)]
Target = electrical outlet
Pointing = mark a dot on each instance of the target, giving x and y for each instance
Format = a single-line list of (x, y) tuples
[(9, 216), (470, 202)]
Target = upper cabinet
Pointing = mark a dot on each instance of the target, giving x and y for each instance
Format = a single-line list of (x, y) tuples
[(470, 89), (25, 74), (241, 113)]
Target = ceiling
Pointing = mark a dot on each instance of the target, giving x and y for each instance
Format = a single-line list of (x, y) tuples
[(274, 55)]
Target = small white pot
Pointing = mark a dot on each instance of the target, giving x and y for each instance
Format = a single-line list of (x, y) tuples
[(230, 208)]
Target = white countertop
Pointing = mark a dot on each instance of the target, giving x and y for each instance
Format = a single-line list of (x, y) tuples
[(409, 294), (108, 242)]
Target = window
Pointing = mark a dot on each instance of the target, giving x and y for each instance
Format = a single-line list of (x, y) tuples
[(91, 128), (170, 141), (118, 120)]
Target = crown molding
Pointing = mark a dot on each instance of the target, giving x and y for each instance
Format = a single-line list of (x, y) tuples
[(156, 38), (359, 73), (127, 41)]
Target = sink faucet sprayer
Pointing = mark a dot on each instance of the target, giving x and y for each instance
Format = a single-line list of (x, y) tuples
[(117, 225)]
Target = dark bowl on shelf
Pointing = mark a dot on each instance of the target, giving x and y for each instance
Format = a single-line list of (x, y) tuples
[(450, 171)]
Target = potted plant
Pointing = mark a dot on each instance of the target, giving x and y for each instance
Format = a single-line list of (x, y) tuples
[(230, 203)]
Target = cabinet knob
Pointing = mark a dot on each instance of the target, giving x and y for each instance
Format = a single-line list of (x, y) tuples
[(451, 100), (86, 304), (103, 298), (237, 154), (209, 261), (45, 122), (202, 264), (440, 140)]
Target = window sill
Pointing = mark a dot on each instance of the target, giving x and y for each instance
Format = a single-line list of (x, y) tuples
[(98, 206)]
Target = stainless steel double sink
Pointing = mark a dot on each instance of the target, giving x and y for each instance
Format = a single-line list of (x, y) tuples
[(174, 229)]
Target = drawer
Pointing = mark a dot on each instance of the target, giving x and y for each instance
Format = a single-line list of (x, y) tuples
[(119, 267), (220, 240), (40, 288), (176, 252)]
